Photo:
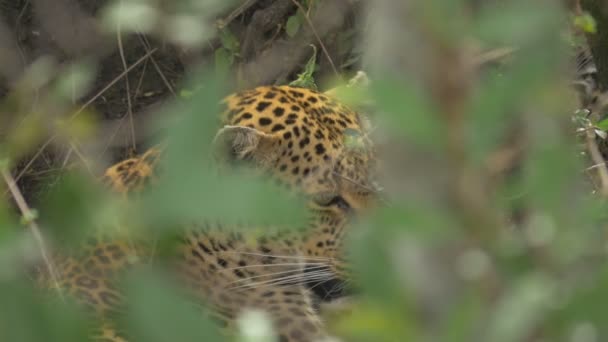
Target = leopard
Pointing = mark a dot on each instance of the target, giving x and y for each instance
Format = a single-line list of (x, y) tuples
[(302, 139)]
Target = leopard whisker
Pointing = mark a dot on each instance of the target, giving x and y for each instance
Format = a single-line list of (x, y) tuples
[(304, 279), (265, 282), (279, 256), (273, 265), (295, 279), (286, 280), (273, 274)]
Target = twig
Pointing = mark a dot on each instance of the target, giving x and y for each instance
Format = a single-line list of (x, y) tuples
[(598, 160), (238, 11), (34, 158), (595, 166), (146, 44), (85, 162), (493, 55), (127, 84), (27, 213), (18, 31), (140, 81), (314, 31), (81, 109), (116, 79)]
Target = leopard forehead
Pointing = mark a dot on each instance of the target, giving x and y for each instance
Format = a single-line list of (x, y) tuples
[(311, 131)]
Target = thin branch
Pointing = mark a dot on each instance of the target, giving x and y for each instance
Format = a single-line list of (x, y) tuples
[(33, 227), (314, 31), (116, 79), (595, 166), (127, 84), (597, 158), (81, 109), (147, 46), (493, 55), (234, 14)]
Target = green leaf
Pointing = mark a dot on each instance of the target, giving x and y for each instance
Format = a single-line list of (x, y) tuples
[(518, 22), (582, 305), (26, 315), (462, 318), (585, 22), (185, 94), (520, 309), (71, 208), (408, 111), (192, 188), (229, 41), (293, 25), (603, 124), (223, 60), (75, 81), (157, 312), (375, 322), (306, 79)]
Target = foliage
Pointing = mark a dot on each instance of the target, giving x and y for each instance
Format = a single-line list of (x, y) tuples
[(453, 264), (306, 79)]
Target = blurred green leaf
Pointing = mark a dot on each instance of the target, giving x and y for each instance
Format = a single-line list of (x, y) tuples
[(292, 26), (580, 305), (462, 318), (195, 187), (157, 312), (71, 209), (603, 125), (223, 59), (374, 322), (520, 309), (499, 100), (370, 255), (445, 20), (416, 218), (26, 315), (518, 23), (550, 171), (409, 111), (585, 22), (75, 81), (229, 40), (134, 16), (188, 30)]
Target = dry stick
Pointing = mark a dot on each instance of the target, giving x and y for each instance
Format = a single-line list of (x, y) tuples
[(493, 55), (595, 166), (27, 213), (112, 136), (17, 29), (147, 46), (68, 154), (127, 84), (81, 156), (116, 79), (238, 11), (73, 144), (82, 108), (314, 31), (140, 81), (597, 158)]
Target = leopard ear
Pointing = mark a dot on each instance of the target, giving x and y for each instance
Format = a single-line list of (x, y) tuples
[(235, 143)]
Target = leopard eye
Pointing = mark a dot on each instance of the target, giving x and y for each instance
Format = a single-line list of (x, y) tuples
[(327, 200)]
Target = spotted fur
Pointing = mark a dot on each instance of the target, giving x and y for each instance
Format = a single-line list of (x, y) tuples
[(299, 137)]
